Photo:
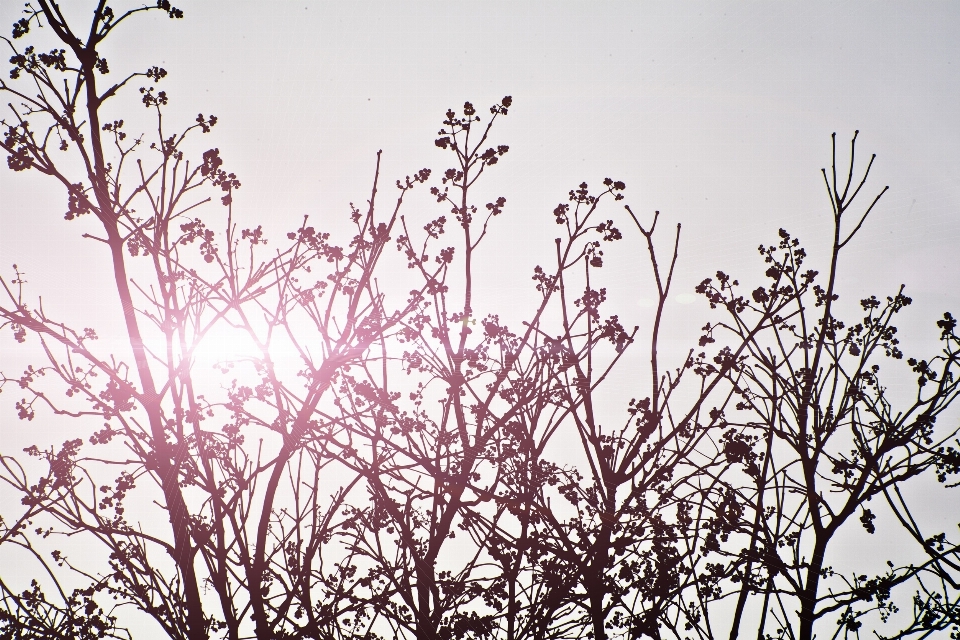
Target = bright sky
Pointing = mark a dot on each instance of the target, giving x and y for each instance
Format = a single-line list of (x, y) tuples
[(717, 114)]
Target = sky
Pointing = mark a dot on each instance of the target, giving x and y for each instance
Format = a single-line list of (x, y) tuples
[(717, 114)]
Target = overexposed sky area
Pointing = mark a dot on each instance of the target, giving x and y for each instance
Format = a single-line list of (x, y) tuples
[(718, 114)]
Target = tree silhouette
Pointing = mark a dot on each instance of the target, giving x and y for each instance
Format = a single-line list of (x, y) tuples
[(397, 477), (830, 435)]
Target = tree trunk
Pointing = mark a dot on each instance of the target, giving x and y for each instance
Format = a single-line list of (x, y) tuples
[(808, 599)]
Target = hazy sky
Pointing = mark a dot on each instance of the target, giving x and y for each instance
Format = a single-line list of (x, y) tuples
[(718, 114)]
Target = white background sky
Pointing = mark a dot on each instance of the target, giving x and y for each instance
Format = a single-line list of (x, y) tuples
[(718, 114)]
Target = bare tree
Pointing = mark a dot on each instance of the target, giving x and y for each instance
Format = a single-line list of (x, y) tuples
[(227, 532), (395, 477), (819, 436)]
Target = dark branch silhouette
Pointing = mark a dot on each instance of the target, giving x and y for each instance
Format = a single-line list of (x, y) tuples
[(397, 475)]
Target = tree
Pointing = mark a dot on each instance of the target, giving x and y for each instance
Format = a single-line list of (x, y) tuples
[(831, 436), (206, 478), (396, 477)]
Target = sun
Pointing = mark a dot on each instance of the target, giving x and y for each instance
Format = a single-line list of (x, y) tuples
[(224, 347), (233, 351)]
